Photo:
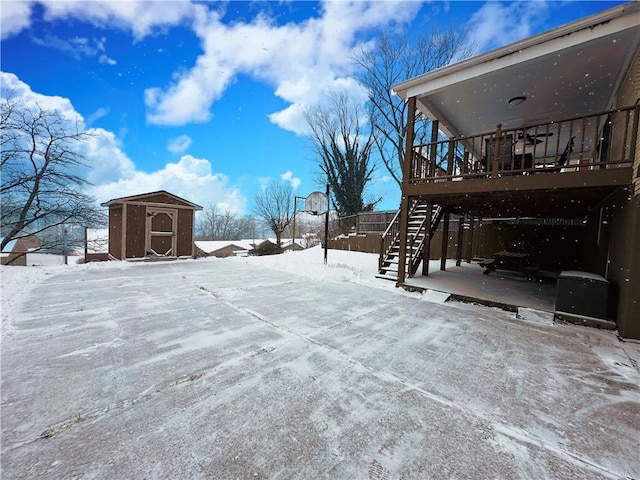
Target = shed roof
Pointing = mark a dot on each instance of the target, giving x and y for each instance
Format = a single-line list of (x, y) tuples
[(145, 196)]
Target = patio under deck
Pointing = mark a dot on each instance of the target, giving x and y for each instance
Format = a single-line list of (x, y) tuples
[(503, 289)]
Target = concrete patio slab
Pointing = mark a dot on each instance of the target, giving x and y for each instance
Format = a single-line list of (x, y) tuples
[(221, 369), (501, 288)]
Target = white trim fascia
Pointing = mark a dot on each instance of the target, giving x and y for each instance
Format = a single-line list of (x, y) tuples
[(609, 22)]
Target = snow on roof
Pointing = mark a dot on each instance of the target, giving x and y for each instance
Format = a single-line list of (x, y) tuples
[(210, 246)]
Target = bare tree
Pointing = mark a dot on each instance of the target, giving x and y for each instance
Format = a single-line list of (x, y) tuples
[(206, 226), (217, 224), (41, 183), (274, 205), (392, 61), (343, 150)]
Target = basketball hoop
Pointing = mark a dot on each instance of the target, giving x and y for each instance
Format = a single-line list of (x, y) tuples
[(316, 203)]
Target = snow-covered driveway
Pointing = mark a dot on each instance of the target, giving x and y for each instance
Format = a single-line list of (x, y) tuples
[(229, 369)]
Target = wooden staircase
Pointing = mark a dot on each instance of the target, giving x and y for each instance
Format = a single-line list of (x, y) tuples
[(416, 240)]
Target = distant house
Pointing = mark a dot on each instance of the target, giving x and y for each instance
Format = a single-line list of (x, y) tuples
[(288, 245), (265, 247), (269, 246), (151, 225), (224, 248), (15, 252)]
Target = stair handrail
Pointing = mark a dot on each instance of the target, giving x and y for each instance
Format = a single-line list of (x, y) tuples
[(436, 215), (393, 220), (435, 219), (385, 243), (414, 260), (391, 234)]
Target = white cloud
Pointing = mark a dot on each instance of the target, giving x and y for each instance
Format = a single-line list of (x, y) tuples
[(141, 17), (106, 161), (288, 177), (106, 60), (114, 174), (15, 88), (292, 117), (14, 17), (301, 61), (179, 144), (97, 115), (77, 47), (190, 178), (497, 24)]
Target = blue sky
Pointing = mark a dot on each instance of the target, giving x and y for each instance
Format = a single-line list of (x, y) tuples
[(205, 99)]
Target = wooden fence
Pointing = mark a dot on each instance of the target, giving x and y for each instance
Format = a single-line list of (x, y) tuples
[(362, 223), (550, 246)]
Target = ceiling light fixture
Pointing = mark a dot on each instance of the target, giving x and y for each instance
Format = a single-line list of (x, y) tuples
[(517, 100)]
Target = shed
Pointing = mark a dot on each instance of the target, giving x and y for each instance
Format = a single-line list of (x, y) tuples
[(151, 225)]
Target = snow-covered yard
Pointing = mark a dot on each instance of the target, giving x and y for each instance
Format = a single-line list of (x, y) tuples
[(283, 367)]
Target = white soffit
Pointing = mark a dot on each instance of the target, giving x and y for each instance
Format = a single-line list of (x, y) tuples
[(597, 26)]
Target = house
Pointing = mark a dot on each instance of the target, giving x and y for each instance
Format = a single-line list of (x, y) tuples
[(224, 248), (16, 251), (269, 246), (546, 130), (151, 226), (288, 245)]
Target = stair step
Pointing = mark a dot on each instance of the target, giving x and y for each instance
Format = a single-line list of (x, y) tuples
[(387, 277), (417, 233)]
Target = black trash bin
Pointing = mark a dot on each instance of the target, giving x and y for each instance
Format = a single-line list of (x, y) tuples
[(582, 294)]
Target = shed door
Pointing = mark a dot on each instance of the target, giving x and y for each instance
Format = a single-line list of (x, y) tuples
[(161, 229)]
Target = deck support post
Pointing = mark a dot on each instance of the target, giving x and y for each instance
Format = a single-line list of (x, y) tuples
[(431, 167), (470, 238), (445, 240), (495, 161), (460, 240), (404, 201), (426, 251)]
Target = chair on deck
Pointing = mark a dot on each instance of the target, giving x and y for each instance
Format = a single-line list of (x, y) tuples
[(562, 161), (505, 153)]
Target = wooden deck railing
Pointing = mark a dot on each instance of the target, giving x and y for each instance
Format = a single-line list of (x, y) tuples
[(392, 233), (388, 238), (603, 140)]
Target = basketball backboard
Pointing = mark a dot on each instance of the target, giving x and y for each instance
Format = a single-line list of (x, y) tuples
[(316, 203)]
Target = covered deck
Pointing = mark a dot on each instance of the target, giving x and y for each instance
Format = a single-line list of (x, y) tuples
[(561, 168), (547, 125), (544, 130)]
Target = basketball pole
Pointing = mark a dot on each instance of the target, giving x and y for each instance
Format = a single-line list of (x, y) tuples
[(293, 242), (326, 228), (295, 211)]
